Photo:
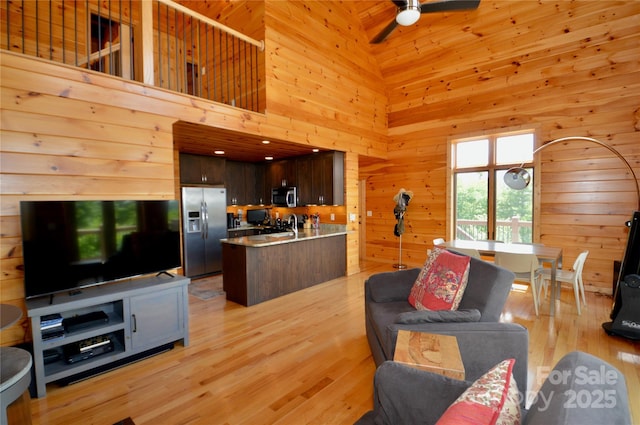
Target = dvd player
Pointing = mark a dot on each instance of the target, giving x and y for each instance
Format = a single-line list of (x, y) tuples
[(76, 323), (88, 348)]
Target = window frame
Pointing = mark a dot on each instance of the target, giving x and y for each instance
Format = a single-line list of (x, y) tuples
[(491, 168)]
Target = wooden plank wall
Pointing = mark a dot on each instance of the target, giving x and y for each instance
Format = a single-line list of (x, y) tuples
[(559, 68), (74, 134)]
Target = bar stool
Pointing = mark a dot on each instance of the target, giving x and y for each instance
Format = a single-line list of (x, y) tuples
[(15, 377), (15, 368)]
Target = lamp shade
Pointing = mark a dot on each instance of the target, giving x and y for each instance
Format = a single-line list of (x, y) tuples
[(409, 14), (517, 178)]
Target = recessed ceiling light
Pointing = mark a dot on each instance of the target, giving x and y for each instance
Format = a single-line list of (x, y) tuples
[(268, 158), (219, 152), (316, 150), (265, 142)]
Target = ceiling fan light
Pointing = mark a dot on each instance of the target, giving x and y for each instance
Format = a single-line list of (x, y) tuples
[(408, 15)]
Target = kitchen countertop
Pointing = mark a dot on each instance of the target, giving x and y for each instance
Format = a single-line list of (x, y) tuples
[(245, 227), (325, 230)]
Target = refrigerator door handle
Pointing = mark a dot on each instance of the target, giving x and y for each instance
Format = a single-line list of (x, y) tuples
[(202, 219), (205, 215)]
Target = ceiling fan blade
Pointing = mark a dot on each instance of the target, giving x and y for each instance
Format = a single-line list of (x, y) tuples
[(384, 33), (448, 5)]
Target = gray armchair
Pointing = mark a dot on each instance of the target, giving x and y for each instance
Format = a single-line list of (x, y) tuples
[(482, 340), (405, 395)]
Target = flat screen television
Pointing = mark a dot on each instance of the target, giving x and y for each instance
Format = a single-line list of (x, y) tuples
[(257, 216), (68, 245)]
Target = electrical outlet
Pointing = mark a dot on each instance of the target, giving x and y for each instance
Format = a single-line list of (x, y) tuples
[(369, 213), (333, 217), (352, 217), (204, 70)]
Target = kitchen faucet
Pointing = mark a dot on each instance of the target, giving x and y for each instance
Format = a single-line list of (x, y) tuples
[(295, 223)]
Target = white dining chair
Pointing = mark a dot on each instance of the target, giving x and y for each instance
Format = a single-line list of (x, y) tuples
[(468, 251), (526, 269), (573, 277), (436, 242)]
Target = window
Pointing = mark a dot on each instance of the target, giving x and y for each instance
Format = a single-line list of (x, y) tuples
[(485, 207)]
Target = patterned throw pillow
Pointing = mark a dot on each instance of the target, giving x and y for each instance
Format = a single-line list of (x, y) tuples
[(492, 399), (442, 281)]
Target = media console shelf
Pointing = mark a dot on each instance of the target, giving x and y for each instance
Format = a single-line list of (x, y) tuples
[(124, 321)]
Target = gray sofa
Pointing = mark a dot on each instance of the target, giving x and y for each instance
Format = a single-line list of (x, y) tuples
[(581, 389), (482, 340)]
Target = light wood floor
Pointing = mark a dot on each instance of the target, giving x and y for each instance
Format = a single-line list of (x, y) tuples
[(299, 359)]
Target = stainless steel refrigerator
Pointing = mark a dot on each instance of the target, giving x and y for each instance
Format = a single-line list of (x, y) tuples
[(204, 212)]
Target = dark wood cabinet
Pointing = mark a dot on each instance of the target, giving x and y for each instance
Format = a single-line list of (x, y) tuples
[(249, 184), (304, 166), (244, 182), (328, 178), (321, 179), (234, 182), (263, 189), (201, 169), (318, 177), (251, 275), (282, 173)]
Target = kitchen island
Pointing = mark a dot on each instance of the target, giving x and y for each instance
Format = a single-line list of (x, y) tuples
[(262, 267)]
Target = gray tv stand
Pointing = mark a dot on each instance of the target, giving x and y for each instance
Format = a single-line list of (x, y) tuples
[(143, 314)]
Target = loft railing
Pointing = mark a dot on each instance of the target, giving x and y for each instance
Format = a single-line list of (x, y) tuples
[(158, 42), (508, 231)]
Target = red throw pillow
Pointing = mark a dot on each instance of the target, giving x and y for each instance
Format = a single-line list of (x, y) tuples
[(492, 400), (442, 281)]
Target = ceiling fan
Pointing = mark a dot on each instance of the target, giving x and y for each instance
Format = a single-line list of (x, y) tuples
[(409, 12)]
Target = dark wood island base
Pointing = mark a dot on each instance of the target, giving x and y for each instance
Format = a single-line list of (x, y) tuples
[(253, 274)]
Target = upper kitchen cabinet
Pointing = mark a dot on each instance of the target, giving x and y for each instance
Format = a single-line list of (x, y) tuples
[(244, 182), (306, 193), (321, 178), (201, 169), (263, 188), (327, 178), (281, 173), (234, 180)]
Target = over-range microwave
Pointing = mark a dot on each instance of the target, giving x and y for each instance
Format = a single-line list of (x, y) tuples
[(284, 197)]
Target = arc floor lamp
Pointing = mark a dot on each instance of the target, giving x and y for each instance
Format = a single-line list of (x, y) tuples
[(623, 311), (518, 178)]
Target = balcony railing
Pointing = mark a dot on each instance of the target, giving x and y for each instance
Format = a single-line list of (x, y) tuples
[(158, 42), (513, 230)]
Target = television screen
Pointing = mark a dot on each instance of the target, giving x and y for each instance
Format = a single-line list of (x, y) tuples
[(75, 244), (257, 216)]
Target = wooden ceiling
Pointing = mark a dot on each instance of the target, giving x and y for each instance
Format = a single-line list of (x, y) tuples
[(205, 140)]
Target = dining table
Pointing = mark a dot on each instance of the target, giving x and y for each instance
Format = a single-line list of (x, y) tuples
[(546, 254)]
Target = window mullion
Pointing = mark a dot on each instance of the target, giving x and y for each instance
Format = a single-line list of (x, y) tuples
[(491, 208)]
